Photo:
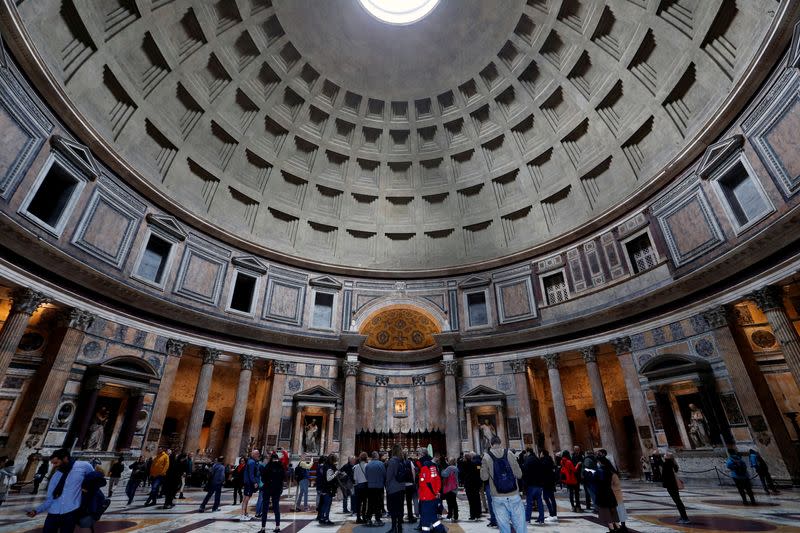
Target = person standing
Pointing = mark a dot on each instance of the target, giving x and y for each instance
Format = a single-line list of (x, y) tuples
[(172, 481), (346, 481), (272, 475), (668, 470), (616, 488), (376, 479), (450, 489), (412, 499), (8, 477), (360, 478), (740, 476), (397, 474), (114, 475), (430, 489), (533, 474), (570, 479), (188, 470), (758, 464), (600, 479), (550, 472), (470, 474), (138, 470), (237, 480), (647, 472), (63, 493), (214, 486), (501, 470), (41, 473), (301, 475), (158, 472), (326, 487), (250, 480)]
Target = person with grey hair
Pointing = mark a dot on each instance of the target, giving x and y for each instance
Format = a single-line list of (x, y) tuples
[(501, 469)]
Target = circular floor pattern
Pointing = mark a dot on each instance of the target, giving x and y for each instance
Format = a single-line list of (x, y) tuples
[(718, 523), (738, 503)]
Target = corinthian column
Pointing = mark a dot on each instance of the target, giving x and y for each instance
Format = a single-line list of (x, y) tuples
[(600, 405), (770, 301), (239, 409), (192, 440), (560, 408), (644, 430), (520, 369), (174, 351), (24, 303), (348, 439), (451, 435), (280, 369)]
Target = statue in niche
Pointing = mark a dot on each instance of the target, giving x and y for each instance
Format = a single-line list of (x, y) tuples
[(698, 428), (310, 436), (97, 431), (487, 431)]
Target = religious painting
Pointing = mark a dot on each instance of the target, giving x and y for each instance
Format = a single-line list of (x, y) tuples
[(400, 407), (593, 429), (487, 428), (512, 425), (102, 424), (312, 434)]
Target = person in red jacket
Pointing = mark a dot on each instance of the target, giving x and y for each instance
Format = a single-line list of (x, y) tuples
[(430, 490), (570, 478)]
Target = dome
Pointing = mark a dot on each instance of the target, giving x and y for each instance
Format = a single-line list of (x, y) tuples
[(315, 133)]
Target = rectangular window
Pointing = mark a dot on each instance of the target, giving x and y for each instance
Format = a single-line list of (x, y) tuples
[(742, 194), (53, 195), (476, 306), (555, 288), (323, 310), (641, 253), (154, 259), (244, 289)]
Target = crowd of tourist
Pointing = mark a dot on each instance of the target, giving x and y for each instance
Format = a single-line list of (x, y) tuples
[(416, 486)]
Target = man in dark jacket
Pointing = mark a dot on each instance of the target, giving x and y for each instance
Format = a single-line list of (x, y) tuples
[(376, 479), (471, 477), (172, 482), (215, 482), (326, 486), (534, 474)]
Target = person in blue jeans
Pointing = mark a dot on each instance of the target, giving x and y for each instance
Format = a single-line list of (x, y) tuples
[(326, 487), (214, 487), (63, 493), (250, 485), (551, 474), (501, 470), (533, 474), (301, 474)]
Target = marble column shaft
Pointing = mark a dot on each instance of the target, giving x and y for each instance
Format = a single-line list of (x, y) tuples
[(44, 393), (635, 395), (234, 443), (348, 438), (520, 369), (275, 408), (600, 403), (25, 303), (174, 351), (770, 300), (192, 439), (451, 409), (559, 406)]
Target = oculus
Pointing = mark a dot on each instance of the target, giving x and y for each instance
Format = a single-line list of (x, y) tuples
[(398, 11)]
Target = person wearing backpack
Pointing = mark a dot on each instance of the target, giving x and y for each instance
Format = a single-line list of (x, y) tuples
[(301, 476), (450, 489), (501, 469), (740, 476), (398, 474)]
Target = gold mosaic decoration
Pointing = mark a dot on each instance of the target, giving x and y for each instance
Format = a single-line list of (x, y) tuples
[(400, 328)]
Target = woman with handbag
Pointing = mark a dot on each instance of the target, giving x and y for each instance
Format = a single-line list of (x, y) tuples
[(450, 489), (673, 484)]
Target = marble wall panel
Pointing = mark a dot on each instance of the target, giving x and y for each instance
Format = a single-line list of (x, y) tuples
[(515, 300), (200, 275), (284, 301)]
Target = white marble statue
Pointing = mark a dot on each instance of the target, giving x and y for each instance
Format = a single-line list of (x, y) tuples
[(310, 433), (698, 428)]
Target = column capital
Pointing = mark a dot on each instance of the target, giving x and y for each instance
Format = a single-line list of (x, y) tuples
[(768, 298), (76, 319), (351, 368), (381, 380), (281, 367), (246, 361), (210, 355), (174, 347), (552, 360), (450, 367), (26, 300), (589, 354), (717, 317), (519, 366), (418, 380), (622, 345)]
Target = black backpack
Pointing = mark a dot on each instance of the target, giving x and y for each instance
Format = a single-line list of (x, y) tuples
[(404, 474)]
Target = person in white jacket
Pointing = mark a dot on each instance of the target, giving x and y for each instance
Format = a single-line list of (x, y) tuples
[(8, 477)]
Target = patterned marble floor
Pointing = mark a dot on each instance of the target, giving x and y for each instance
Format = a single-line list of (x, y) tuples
[(651, 510)]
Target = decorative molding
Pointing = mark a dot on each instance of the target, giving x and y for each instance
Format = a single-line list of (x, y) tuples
[(174, 347), (77, 319), (518, 366), (718, 317), (210, 355), (281, 367), (768, 298), (418, 380), (552, 360), (168, 224), (249, 262), (26, 300), (622, 345), (246, 361), (450, 367), (474, 281), (589, 354), (78, 155), (351, 368), (716, 154), (794, 49), (325, 281), (381, 380)]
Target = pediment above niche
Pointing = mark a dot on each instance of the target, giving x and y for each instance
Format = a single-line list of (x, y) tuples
[(316, 394), (167, 224), (77, 154), (474, 281), (718, 153), (482, 392), (250, 262), (325, 281)]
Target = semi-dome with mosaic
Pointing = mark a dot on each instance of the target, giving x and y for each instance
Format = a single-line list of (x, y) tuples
[(312, 132)]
